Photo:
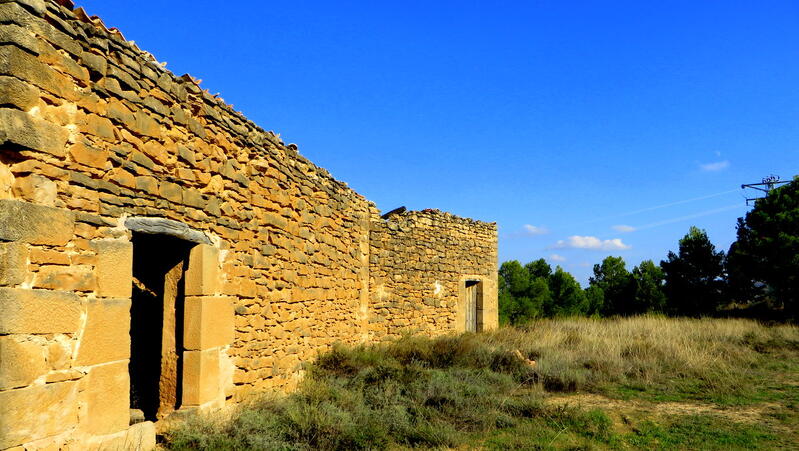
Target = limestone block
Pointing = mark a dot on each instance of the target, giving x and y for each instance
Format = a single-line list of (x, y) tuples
[(138, 437), (35, 224), (106, 394), (38, 311), (28, 414), (37, 189), (6, 181), (13, 263), (114, 268), (203, 275), (22, 360), (200, 377), (207, 322), (21, 64), (17, 93), (22, 129), (66, 278), (106, 336), (89, 156)]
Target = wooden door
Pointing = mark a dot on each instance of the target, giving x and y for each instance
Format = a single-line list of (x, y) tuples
[(471, 305)]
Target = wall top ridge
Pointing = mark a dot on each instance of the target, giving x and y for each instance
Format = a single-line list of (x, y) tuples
[(60, 13), (434, 214)]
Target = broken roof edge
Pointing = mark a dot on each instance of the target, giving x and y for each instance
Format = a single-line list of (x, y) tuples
[(432, 213)]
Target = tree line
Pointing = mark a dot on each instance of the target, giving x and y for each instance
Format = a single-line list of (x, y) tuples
[(759, 272)]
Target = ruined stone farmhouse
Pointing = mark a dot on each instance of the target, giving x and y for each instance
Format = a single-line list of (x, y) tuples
[(161, 254)]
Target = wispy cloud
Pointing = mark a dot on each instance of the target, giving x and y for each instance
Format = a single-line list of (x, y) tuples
[(666, 205), (557, 258), (535, 230), (591, 242), (624, 228), (715, 166), (692, 216)]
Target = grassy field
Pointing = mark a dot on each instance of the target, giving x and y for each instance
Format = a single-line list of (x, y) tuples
[(632, 383)]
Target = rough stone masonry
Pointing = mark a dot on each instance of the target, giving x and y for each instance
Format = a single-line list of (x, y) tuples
[(161, 254)]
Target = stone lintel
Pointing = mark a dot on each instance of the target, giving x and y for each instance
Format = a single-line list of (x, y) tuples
[(163, 226)]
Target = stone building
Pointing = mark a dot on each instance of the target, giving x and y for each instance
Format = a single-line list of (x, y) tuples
[(159, 253)]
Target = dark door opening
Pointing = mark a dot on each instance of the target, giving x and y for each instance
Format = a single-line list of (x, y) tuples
[(474, 306), (156, 323)]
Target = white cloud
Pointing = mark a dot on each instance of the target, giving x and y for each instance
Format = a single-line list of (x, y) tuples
[(535, 230), (557, 258), (623, 228), (591, 242), (714, 167)]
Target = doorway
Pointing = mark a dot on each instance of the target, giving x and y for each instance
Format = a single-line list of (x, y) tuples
[(156, 323), (474, 305)]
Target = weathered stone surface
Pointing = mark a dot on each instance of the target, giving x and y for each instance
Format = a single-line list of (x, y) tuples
[(17, 93), (139, 437), (38, 311), (114, 268), (36, 189), (203, 274), (106, 336), (11, 34), (28, 414), (21, 64), (89, 156), (22, 360), (6, 181), (207, 322), (161, 226), (35, 224), (66, 278), (20, 128), (201, 382), (13, 263), (106, 393)]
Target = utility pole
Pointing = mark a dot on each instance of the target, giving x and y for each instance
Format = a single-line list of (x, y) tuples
[(766, 185)]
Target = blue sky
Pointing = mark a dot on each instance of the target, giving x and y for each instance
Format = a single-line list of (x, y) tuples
[(585, 129)]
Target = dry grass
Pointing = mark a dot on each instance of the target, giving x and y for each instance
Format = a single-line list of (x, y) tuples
[(585, 353)]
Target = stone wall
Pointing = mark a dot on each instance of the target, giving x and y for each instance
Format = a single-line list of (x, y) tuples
[(99, 143), (419, 263)]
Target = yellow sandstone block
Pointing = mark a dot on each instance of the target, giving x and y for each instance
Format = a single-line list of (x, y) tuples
[(203, 275), (22, 360), (28, 414), (38, 311), (200, 377), (114, 268), (106, 336), (106, 394), (207, 322)]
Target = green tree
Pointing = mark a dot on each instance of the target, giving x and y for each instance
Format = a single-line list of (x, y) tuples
[(694, 276), (648, 285), (521, 298), (767, 249), (616, 284), (595, 298), (515, 277), (538, 268), (567, 296)]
